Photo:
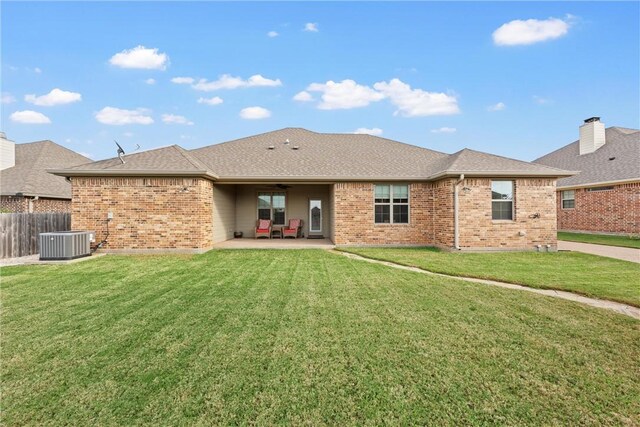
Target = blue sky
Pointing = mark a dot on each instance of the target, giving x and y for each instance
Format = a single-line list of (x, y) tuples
[(514, 79)]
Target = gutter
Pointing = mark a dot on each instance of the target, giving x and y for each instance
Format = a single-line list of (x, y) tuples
[(158, 173), (456, 230), (598, 184), (491, 174)]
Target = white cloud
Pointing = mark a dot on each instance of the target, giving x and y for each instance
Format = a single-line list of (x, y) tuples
[(128, 134), (140, 57), (519, 32), (175, 119), (497, 107), (182, 80), (227, 81), (216, 100), (444, 130), (253, 113), (150, 81), (372, 131), (417, 102), (29, 117), (541, 100), (118, 117), (7, 98), (37, 70), (55, 97), (311, 27), (273, 34), (344, 95), (303, 96)]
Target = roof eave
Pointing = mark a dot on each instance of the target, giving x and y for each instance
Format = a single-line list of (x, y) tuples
[(519, 174), (45, 196), (88, 172), (598, 184), (317, 179)]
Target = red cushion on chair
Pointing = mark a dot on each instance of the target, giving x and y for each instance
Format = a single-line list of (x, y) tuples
[(289, 230), (262, 230), (294, 224), (264, 224)]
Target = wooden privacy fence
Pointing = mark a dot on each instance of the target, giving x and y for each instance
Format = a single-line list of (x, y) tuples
[(19, 231)]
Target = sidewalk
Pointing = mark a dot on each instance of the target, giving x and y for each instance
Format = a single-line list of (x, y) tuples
[(627, 254)]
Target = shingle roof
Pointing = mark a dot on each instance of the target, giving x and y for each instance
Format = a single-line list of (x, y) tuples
[(299, 154), (29, 175), (165, 161), (476, 162), (318, 155), (622, 144)]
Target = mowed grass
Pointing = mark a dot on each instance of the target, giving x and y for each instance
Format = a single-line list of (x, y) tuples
[(601, 239), (302, 337), (589, 275)]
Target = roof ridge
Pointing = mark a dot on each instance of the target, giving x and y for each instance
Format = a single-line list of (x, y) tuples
[(250, 137), (191, 159), (512, 159)]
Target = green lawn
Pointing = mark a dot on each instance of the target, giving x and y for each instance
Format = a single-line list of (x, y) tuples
[(302, 337), (601, 239), (590, 275)]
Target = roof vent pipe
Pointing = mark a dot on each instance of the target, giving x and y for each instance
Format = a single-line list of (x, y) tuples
[(592, 135)]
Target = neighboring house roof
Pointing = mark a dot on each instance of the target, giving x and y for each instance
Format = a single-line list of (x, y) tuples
[(294, 154), (622, 146), (29, 175)]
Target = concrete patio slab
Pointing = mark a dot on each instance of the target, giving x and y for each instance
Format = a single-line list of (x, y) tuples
[(275, 244)]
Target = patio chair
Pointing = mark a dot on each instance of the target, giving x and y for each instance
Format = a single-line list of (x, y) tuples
[(263, 228), (294, 229)]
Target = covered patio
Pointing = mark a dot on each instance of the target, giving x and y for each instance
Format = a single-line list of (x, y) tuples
[(238, 207)]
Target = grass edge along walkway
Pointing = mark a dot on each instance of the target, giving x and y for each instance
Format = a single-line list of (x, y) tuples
[(618, 307)]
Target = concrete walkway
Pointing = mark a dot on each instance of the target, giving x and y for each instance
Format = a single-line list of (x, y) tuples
[(35, 260), (627, 254), (625, 309)]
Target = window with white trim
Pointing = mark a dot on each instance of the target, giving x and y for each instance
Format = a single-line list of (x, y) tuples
[(272, 206), (502, 200), (391, 204), (568, 199)]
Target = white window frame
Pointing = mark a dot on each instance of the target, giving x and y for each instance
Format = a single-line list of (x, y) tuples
[(512, 200), (391, 204), (563, 198), (271, 208)]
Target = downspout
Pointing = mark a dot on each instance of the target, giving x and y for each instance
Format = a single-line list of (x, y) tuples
[(456, 231)]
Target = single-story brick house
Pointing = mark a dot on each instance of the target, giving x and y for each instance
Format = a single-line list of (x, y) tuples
[(25, 185), (353, 189), (604, 197)]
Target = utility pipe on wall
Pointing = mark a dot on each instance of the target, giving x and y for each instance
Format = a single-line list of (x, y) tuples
[(456, 233)]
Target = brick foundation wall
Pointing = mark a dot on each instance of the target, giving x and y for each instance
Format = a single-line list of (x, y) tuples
[(21, 204), (608, 211), (532, 196), (353, 212), (148, 213)]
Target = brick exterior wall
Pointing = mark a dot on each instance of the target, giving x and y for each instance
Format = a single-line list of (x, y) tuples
[(432, 216), (148, 213), (21, 204), (609, 211), (354, 218), (532, 197)]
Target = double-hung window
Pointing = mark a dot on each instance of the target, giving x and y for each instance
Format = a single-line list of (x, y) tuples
[(502, 200), (272, 206), (568, 199), (391, 204)]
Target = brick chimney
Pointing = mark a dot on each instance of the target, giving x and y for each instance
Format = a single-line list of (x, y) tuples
[(591, 135), (7, 152)]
